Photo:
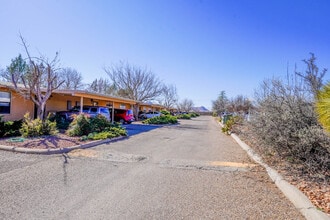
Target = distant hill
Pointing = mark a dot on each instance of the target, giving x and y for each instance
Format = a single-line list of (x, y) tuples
[(200, 109)]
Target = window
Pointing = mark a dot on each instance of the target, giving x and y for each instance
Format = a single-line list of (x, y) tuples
[(5, 102)]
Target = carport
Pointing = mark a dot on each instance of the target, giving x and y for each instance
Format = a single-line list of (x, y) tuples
[(65, 99)]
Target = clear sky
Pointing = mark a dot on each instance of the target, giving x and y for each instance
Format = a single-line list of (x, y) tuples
[(201, 46)]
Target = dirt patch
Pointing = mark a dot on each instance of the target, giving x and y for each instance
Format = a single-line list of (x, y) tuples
[(316, 189), (83, 153), (45, 142)]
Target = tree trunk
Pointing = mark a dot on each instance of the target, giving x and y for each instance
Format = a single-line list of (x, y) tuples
[(136, 111), (41, 111)]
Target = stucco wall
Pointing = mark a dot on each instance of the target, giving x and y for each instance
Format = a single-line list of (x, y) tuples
[(59, 102), (18, 106)]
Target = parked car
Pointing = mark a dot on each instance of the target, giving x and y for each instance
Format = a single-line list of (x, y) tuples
[(149, 115), (123, 116), (92, 111)]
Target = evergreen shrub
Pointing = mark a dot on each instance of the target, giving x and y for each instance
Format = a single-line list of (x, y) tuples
[(37, 127), (163, 119)]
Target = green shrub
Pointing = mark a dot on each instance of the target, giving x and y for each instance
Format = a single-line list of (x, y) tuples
[(9, 128), (164, 112), (228, 126), (99, 123), (117, 130), (109, 132), (37, 127), (79, 126), (194, 114), (163, 119), (184, 116), (96, 128), (102, 135), (61, 123)]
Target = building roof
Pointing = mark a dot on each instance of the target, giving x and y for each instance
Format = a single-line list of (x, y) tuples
[(78, 93)]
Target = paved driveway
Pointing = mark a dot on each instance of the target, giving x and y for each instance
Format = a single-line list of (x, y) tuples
[(187, 171)]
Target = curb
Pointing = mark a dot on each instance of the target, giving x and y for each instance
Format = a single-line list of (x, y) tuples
[(296, 197), (59, 150)]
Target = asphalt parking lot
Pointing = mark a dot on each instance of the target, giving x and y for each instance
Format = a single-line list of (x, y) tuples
[(185, 171)]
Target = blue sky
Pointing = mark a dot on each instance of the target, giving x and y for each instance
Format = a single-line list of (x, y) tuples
[(201, 46)]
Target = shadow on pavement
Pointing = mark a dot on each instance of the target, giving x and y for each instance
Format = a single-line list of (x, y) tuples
[(134, 129)]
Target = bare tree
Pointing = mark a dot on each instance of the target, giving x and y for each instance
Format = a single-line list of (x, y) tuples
[(135, 83), (169, 96), (39, 78), (1, 74), (4, 75), (71, 78), (185, 105), (102, 86), (240, 105), (312, 77)]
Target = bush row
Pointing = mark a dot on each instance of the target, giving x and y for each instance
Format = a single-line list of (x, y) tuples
[(94, 128), (163, 119), (89, 128), (166, 118)]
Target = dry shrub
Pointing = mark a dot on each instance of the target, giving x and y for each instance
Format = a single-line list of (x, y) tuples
[(286, 122)]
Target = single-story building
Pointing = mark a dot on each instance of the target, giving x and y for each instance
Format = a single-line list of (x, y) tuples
[(13, 105), (150, 107)]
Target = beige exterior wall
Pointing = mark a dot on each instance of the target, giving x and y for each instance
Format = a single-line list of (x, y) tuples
[(148, 108), (18, 106), (58, 102)]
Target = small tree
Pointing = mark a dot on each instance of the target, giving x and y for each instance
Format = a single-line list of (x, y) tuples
[(220, 105), (16, 70), (39, 78)]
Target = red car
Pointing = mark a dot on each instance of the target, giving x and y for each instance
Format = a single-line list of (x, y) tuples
[(124, 116)]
